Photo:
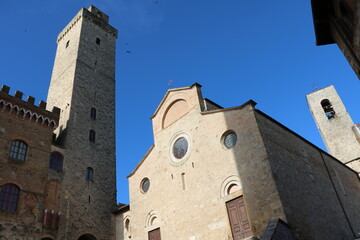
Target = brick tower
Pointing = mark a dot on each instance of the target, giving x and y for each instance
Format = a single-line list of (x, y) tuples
[(83, 87), (336, 127)]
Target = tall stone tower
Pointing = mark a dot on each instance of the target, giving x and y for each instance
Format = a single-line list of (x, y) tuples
[(83, 87), (336, 127)]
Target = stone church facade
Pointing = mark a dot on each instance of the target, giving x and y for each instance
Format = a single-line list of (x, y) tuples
[(57, 173), (225, 173)]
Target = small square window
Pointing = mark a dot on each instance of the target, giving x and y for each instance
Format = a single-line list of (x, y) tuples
[(98, 41)]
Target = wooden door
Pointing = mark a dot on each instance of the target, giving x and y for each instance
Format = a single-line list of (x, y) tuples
[(155, 234), (239, 220)]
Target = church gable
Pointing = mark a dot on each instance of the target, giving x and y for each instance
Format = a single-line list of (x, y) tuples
[(175, 104)]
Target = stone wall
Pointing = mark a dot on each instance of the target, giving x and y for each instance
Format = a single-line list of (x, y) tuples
[(313, 201)]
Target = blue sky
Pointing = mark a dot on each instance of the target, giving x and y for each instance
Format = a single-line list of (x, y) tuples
[(237, 50)]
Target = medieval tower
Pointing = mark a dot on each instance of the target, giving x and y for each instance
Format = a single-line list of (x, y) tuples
[(335, 125), (83, 87)]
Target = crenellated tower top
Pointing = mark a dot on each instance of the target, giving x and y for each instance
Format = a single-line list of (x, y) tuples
[(93, 15), (27, 109)]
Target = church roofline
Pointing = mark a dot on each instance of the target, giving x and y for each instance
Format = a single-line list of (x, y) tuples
[(141, 161), (251, 102), (302, 138), (214, 103), (172, 90)]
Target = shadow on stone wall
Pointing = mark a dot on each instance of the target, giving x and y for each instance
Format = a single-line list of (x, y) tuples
[(277, 230)]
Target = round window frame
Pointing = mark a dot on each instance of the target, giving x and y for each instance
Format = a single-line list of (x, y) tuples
[(186, 150), (178, 161), (223, 137), (142, 185)]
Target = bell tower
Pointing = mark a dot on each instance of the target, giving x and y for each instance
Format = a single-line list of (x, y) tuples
[(340, 135), (83, 87)]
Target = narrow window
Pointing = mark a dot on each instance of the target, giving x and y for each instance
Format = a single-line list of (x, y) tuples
[(92, 136), (18, 150), (328, 109), (56, 161), (93, 113), (183, 181), (90, 174), (9, 197), (356, 130), (127, 225), (98, 41), (67, 44)]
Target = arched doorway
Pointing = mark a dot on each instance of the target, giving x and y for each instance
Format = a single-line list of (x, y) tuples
[(87, 237)]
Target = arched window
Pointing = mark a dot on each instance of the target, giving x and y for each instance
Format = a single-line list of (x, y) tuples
[(93, 113), (92, 136), (127, 225), (18, 150), (9, 197), (90, 174), (328, 109), (56, 161), (232, 188)]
